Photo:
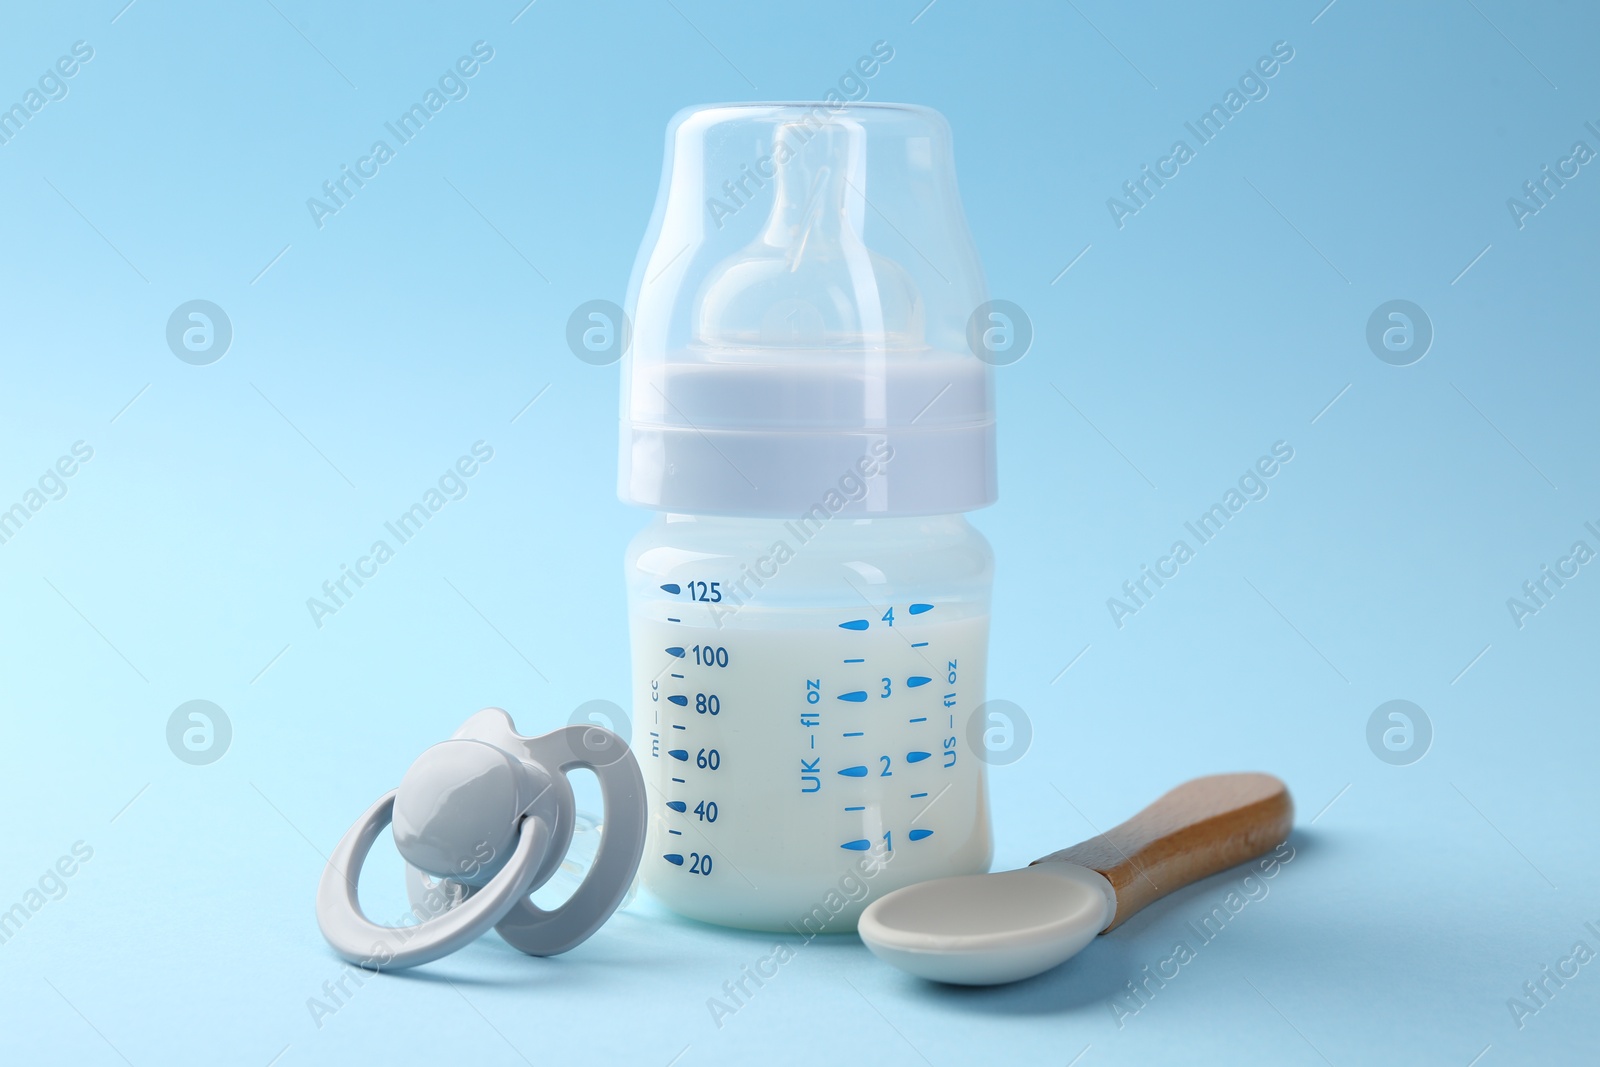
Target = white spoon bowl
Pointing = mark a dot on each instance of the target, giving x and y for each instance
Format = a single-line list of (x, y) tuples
[(985, 929)]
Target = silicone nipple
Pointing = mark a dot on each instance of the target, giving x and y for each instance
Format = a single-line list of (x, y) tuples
[(809, 280), (587, 830)]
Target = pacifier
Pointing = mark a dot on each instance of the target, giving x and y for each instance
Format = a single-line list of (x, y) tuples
[(482, 820)]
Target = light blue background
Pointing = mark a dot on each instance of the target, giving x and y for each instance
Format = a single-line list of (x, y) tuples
[(1223, 317)]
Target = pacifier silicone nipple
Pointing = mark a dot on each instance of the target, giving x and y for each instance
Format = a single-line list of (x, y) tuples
[(587, 832)]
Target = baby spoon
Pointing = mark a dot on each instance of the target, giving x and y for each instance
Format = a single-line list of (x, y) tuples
[(987, 929)]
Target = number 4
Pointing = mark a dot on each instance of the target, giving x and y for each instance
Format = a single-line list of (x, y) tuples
[(888, 616)]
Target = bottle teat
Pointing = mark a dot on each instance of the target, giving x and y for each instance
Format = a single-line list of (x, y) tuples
[(800, 310), (809, 280)]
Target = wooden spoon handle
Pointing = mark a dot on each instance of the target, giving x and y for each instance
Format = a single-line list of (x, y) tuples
[(1203, 826)]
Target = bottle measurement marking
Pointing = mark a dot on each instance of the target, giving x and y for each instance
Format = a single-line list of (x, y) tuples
[(895, 687), (862, 844), (861, 696)]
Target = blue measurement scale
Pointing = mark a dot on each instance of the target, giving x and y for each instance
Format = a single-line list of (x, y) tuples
[(863, 745)]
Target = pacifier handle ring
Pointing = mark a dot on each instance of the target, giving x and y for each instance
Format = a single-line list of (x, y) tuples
[(374, 946), (538, 932)]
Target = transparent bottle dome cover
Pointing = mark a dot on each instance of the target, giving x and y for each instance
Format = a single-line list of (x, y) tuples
[(800, 309)]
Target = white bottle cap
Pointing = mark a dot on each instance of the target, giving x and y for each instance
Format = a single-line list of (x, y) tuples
[(800, 309)]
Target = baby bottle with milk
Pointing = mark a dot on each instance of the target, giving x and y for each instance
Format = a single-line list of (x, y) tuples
[(809, 608)]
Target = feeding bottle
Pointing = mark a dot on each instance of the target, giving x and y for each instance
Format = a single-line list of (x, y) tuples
[(809, 607)]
